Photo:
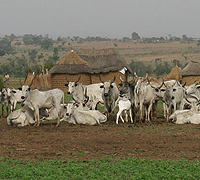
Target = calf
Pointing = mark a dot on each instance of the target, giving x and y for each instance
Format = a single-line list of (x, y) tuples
[(124, 104)]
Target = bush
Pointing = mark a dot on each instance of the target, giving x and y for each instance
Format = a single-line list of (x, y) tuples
[(1, 83)]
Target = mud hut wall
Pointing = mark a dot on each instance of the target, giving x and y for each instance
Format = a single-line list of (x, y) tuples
[(59, 80), (190, 79)]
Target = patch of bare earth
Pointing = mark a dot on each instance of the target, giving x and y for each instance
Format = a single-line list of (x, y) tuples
[(157, 140)]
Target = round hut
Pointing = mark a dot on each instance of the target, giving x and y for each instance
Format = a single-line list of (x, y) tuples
[(174, 74), (90, 63), (190, 73)]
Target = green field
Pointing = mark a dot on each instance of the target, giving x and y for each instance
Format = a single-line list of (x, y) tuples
[(108, 168)]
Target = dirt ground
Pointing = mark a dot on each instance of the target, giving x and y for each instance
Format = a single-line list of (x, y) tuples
[(158, 140)]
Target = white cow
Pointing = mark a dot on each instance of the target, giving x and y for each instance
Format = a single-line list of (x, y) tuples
[(76, 115), (47, 99), (186, 116), (94, 93), (124, 105), (24, 116)]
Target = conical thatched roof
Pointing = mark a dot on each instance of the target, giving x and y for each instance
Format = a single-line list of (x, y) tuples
[(192, 69), (103, 60), (90, 61), (174, 74), (72, 58), (71, 64)]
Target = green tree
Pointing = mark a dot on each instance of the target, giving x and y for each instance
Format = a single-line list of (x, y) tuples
[(46, 43), (135, 36)]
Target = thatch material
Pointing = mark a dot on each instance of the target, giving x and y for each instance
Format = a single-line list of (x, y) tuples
[(90, 61), (42, 81), (70, 64), (192, 69), (174, 74)]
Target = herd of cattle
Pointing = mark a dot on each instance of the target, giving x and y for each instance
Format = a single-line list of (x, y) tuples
[(140, 96)]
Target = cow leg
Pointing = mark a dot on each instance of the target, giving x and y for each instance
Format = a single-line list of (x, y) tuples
[(126, 115), (118, 114), (130, 114), (37, 118), (149, 112)]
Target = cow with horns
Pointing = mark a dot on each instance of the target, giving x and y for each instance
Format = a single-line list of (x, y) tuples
[(110, 94), (94, 93)]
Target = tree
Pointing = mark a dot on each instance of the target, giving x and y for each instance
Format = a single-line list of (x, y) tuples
[(135, 36), (2, 52), (46, 43)]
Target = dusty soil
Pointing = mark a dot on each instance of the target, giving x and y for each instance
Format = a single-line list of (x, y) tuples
[(157, 140)]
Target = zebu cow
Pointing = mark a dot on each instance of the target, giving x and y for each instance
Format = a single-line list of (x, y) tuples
[(110, 94), (24, 116), (78, 91), (15, 97), (47, 99), (173, 96), (145, 95), (186, 116), (76, 115), (128, 91)]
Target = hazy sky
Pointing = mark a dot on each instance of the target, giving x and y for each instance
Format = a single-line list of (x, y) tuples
[(111, 18)]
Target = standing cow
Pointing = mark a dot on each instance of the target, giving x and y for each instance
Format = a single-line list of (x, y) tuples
[(110, 94)]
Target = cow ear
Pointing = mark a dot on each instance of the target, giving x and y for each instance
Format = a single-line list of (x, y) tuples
[(111, 86), (29, 88), (101, 86), (76, 84), (198, 87), (120, 84), (66, 85), (13, 91), (20, 89)]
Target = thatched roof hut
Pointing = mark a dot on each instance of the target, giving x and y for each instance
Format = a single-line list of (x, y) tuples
[(90, 64), (190, 73), (174, 74)]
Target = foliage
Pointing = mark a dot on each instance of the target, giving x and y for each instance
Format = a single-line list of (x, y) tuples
[(5, 44), (1, 83), (46, 43), (135, 36), (107, 168)]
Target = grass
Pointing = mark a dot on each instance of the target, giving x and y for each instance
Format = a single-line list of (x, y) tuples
[(107, 168)]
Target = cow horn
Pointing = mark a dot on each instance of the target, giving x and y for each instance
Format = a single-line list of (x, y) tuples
[(113, 79), (136, 75), (66, 78), (101, 79), (121, 78), (78, 79)]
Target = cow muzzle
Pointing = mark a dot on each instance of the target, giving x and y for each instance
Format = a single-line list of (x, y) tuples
[(106, 94)]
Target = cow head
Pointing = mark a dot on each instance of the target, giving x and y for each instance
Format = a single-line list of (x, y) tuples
[(107, 85), (127, 87), (25, 89), (71, 85)]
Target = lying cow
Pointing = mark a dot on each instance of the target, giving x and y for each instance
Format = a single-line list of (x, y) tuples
[(24, 116), (77, 115), (186, 116)]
